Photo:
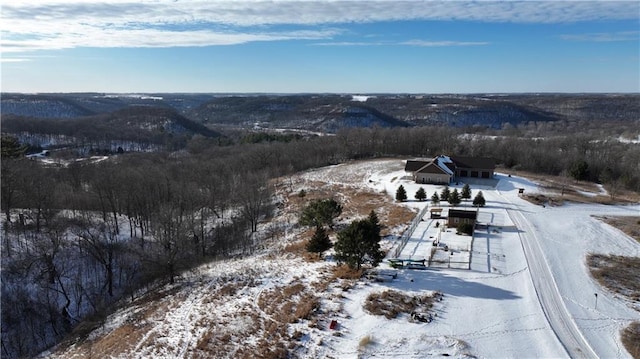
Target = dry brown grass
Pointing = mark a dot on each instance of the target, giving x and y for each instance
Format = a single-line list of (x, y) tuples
[(299, 248), (120, 340), (356, 203), (555, 184), (617, 273), (391, 303), (343, 271), (629, 225), (278, 307), (365, 341), (289, 304), (631, 339)]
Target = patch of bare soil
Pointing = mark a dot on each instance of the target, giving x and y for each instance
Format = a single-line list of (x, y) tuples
[(628, 225)]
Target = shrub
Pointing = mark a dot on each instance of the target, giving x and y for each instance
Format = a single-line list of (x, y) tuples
[(401, 194), (465, 228), (391, 303), (320, 212)]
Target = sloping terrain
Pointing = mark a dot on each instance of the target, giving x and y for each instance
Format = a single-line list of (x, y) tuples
[(142, 126), (73, 105), (324, 113), (277, 302), (332, 112)]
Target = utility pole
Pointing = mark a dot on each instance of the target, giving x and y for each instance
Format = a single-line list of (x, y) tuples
[(596, 306)]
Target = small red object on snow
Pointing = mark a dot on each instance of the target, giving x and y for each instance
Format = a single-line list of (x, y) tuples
[(334, 324)]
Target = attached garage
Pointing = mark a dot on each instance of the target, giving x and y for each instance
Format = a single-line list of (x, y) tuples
[(475, 167)]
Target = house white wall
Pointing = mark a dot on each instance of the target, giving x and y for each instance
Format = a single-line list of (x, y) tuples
[(431, 178)]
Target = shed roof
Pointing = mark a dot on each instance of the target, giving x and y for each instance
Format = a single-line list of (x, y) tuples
[(459, 213)]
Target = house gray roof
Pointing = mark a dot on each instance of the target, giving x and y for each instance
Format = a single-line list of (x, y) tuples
[(459, 213), (414, 165), (474, 162)]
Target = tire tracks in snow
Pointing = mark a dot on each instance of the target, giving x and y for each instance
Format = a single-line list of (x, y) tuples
[(547, 291)]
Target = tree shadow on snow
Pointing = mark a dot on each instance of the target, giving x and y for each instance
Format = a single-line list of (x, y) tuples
[(414, 280)]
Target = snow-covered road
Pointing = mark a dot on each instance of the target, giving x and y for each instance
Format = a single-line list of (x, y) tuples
[(547, 291)]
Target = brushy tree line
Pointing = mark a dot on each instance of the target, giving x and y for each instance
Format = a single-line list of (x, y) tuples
[(78, 238)]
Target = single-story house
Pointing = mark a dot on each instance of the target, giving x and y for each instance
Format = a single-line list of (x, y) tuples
[(439, 170), (444, 169), (478, 167), (460, 216)]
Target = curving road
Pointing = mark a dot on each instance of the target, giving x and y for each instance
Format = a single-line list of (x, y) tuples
[(547, 291)]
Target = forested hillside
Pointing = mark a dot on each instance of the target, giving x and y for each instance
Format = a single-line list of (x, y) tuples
[(83, 235), (330, 113), (129, 129)]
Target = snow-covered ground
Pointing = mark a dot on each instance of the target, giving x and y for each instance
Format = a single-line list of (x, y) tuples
[(498, 308), (525, 290)]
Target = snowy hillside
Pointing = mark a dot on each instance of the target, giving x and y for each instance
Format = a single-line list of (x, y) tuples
[(521, 288)]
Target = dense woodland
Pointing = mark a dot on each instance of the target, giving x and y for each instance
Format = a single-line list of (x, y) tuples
[(81, 237)]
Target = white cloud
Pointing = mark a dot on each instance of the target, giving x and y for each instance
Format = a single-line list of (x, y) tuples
[(14, 59), (603, 36), (419, 43), (50, 24), (424, 43)]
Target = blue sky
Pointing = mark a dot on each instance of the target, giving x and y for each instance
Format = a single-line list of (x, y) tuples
[(320, 46)]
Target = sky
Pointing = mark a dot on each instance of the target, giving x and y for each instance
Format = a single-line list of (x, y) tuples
[(155, 46)]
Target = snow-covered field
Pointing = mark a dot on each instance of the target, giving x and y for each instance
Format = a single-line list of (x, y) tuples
[(528, 292)]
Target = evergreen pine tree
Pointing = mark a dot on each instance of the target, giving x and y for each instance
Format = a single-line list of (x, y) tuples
[(401, 194), (11, 147), (320, 241), (360, 243), (421, 195), (454, 198), (435, 199), (466, 191), (320, 212), (444, 195), (479, 201), (375, 223)]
